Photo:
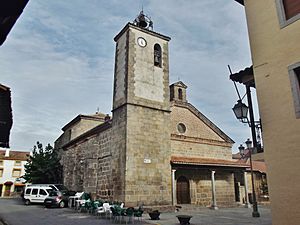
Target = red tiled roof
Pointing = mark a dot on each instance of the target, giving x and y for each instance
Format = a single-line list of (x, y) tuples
[(206, 161), (259, 166), (236, 156), (14, 155)]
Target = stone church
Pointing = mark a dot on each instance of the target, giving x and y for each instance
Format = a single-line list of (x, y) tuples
[(156, 148)]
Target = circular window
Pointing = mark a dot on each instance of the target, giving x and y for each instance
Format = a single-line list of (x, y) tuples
[(181, 128)]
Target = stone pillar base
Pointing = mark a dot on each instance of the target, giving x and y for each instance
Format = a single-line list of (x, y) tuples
[(247, 205), (214, 207)]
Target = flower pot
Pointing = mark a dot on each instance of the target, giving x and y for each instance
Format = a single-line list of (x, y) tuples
[(184, 219), (154, 215)]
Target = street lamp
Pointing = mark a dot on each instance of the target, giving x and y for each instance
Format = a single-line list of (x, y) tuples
[(240, 111), (248, 143)]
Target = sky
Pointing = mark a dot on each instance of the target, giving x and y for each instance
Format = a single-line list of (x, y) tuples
[(58, 60)]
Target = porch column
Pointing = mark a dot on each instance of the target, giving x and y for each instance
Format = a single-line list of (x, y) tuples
[(247, 204), (174, 200), (213, 189)]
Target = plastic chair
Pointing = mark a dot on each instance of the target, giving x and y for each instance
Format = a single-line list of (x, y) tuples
[(129, 213), (116, 213), (138, 213), (86, 205)]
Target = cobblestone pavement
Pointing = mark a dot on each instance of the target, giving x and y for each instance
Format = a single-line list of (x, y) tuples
[(13, 212)]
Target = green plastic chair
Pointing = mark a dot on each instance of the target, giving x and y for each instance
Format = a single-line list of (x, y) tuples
[(138, 213), (117, 212), (129, 213)]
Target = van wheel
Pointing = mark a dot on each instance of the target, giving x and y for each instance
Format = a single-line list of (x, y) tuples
[(62, 204), (27, 202)]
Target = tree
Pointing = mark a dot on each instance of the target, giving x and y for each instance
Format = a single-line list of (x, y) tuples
[(43, 166)]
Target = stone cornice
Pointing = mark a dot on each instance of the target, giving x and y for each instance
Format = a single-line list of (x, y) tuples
[(183, 138), (128, 25)]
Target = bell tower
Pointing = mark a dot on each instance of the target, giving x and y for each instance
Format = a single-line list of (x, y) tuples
[(141, 112), (142, 66)]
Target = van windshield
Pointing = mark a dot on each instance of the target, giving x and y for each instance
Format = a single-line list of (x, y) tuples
[(60, 187), (53, 193)]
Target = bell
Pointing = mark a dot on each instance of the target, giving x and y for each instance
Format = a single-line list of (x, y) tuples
[(142, 22)]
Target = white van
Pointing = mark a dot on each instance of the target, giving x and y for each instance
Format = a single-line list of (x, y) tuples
[(55, 187), (36, 194)]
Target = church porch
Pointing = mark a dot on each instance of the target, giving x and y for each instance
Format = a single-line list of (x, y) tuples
[(204, 182)]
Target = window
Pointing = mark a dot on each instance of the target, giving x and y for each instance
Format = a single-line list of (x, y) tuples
[(294, 73), (1, 172), (180, 94), (16, 173), (1, 162), (28, 191), (291, 8), (157, 55), (34, 191), (288, 11), (18, 163), (43, 192), (181, 128)]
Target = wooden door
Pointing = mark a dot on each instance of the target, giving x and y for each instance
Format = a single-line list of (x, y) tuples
[(183, 191)]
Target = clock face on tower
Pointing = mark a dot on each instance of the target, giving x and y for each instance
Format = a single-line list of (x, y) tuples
[(141, 42)]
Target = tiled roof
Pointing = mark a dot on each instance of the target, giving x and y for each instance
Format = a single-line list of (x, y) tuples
[(206, 161), (236, 156), (258, 166), (14, 155), (245, 76)]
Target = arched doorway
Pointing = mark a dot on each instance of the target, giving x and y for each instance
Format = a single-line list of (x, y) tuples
[(183, 190)]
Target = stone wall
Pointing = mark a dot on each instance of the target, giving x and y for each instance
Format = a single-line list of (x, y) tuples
[(118, 145), (148, 85), (148, 170), (82, 126), (199, 139), (201, 190), (91, 165)]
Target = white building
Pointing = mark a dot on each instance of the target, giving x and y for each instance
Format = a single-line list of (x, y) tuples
[(11, 169)]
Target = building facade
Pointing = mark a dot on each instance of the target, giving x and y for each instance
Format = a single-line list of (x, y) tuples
[(157, 149), (11, 170), (6, 120), (274, 33)]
